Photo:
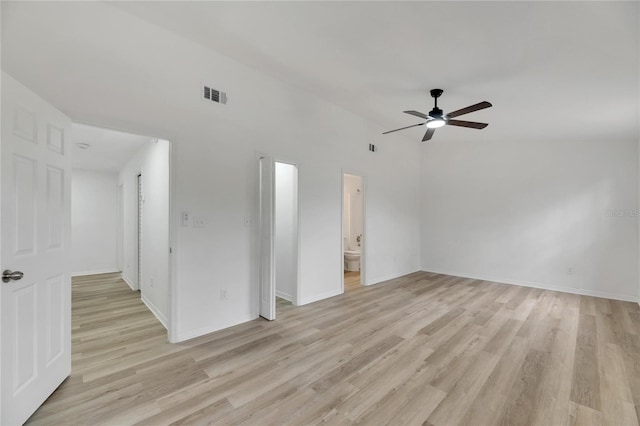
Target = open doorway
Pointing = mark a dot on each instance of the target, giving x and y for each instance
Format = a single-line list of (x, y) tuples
[(120, 222), (286, 234), (279, 254), (352, 231)]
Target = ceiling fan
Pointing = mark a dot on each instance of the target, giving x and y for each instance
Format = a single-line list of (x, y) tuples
[(436, 118)]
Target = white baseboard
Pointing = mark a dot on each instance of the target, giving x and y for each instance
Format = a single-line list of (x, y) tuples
[(321, 296), (383, 278), (186, 335), (129, 282), (570, 290), (284, 296), (333, 293), (155, 311), (94, 272)]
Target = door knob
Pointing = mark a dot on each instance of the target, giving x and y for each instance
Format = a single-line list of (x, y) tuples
[(8, 275)]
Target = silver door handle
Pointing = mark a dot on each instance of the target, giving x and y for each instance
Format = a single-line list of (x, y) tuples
[(8, 275)]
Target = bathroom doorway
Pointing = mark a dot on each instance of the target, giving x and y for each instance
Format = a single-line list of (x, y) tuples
[(352, 231)]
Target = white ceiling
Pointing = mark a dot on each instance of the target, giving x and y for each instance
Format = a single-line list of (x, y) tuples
[(553, 70), (576, 63), (108, 150)]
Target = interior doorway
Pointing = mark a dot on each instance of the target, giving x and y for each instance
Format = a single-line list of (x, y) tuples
[(353, 238), (120, 212), (279, 236), (286, 233)]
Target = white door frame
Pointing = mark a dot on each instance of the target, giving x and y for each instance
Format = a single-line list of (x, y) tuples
[(120, 242), (363, 247), (266, 257), (172, 293), (139, 226)]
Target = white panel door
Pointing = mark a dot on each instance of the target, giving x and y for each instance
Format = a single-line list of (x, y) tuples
[(35, 311), (267, 257)]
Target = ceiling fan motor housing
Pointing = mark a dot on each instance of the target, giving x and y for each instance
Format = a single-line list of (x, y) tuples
[(436, 113)]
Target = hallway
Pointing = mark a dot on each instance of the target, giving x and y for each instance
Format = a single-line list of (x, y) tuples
[(112, 332)]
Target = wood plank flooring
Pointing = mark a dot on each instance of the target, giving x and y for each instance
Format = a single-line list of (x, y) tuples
[(351, 280), (421, 349)]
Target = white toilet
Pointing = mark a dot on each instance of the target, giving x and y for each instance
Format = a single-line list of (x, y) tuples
[(352, 260), (351, 257)]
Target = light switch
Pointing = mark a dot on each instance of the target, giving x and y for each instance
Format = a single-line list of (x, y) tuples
[(186, 217), (198, 222)]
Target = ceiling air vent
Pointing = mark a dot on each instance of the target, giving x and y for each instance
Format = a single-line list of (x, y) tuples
[(215, 95)]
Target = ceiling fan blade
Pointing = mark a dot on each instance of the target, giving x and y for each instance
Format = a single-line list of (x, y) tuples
[(472, 108), (417, 114), (428, 135), (402, 128), (471, 124)]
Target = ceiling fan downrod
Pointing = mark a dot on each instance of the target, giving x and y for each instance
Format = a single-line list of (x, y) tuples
[(436, 112)]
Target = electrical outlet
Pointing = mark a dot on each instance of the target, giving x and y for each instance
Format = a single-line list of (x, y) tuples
[(223, 294), (186, 217)]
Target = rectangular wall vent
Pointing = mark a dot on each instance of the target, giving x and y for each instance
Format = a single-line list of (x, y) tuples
[(215, 95), (372, 147)]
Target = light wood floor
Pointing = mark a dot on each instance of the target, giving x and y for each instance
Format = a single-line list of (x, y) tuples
[(351, 280), (422, 349)]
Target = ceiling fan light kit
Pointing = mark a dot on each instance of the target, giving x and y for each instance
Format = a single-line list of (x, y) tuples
[(436, 122), (436, 117)]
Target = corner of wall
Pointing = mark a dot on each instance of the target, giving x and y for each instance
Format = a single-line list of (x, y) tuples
[(381, 279), (155, 311), (540, 285), (129, 282), (321, 296)]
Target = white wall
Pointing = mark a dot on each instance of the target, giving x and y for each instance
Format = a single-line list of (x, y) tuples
[(153, 162), (353, 210), (286, 231), (153, 88), (94, 222), (534, 213)]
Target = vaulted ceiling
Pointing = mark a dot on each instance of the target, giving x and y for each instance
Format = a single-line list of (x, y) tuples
[(552, 69)]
